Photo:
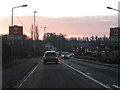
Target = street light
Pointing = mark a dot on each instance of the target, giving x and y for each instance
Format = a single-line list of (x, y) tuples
[(12, 12), (118, 37), (113, 9), (44, 33), (34, 24)]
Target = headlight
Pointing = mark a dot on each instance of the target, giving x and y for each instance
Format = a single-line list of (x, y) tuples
[(62, 55), (68, 55)]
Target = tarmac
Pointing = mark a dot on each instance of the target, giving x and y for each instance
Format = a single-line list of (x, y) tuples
[(13, 74)]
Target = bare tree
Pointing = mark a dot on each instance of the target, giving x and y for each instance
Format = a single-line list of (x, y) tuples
[(96, 38), (92, 38), (32, 31), (37, 33)]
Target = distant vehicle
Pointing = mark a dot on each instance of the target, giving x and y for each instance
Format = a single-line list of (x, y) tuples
[(65, 55), (50, 56)]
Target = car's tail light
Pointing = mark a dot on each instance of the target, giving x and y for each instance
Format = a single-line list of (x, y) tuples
[(44, 57), (56, 57)]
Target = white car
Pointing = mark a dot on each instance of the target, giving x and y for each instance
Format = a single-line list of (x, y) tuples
[(50, 56), (65, 55)]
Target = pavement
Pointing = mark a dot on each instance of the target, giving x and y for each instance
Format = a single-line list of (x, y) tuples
[(11, 75)]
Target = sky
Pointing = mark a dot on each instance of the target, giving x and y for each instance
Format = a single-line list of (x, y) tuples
[(70, 17)]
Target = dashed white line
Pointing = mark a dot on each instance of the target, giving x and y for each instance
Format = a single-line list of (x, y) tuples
[(105, 86), (27, 76), (116, 86)]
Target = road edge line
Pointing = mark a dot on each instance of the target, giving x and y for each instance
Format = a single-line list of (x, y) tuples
[(27, 76)]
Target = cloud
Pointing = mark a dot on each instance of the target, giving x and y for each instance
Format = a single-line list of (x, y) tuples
[(71, 26)]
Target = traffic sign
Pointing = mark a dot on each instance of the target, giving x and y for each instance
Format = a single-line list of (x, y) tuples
[(15, 30), (115, 32)]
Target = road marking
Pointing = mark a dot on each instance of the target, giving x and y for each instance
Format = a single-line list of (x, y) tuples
[(89, 74), (105, 86), (27, 76), (116, 86)]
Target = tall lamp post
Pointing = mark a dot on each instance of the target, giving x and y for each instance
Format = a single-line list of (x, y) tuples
[(34, 24), (12, 12), (34, 33), (118, 32)]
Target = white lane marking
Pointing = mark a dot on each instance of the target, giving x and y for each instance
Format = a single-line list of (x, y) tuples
[(116, 86), (27, 76), (88, 74), (105, 86)]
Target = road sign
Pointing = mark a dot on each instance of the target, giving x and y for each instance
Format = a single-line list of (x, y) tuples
[(115, 32), (15, 30)]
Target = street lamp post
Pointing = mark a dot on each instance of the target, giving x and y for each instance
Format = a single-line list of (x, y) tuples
[(113, 9), (34, 24), (12, 13), (119, 33), (34, 37)]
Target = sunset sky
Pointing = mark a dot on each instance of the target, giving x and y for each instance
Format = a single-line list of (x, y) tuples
[(70, 17)]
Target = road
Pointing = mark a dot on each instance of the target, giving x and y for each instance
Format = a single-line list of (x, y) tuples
[(70, 73)]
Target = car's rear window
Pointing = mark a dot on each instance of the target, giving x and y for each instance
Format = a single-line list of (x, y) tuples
[(51, 54)]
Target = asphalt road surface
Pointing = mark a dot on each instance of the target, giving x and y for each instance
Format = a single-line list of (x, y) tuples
[(70, 73)]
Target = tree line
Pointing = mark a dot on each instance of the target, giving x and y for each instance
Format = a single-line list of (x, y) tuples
[(27, 47)]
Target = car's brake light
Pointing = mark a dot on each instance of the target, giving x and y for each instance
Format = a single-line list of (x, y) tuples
[(44, 57), (56, 57)]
